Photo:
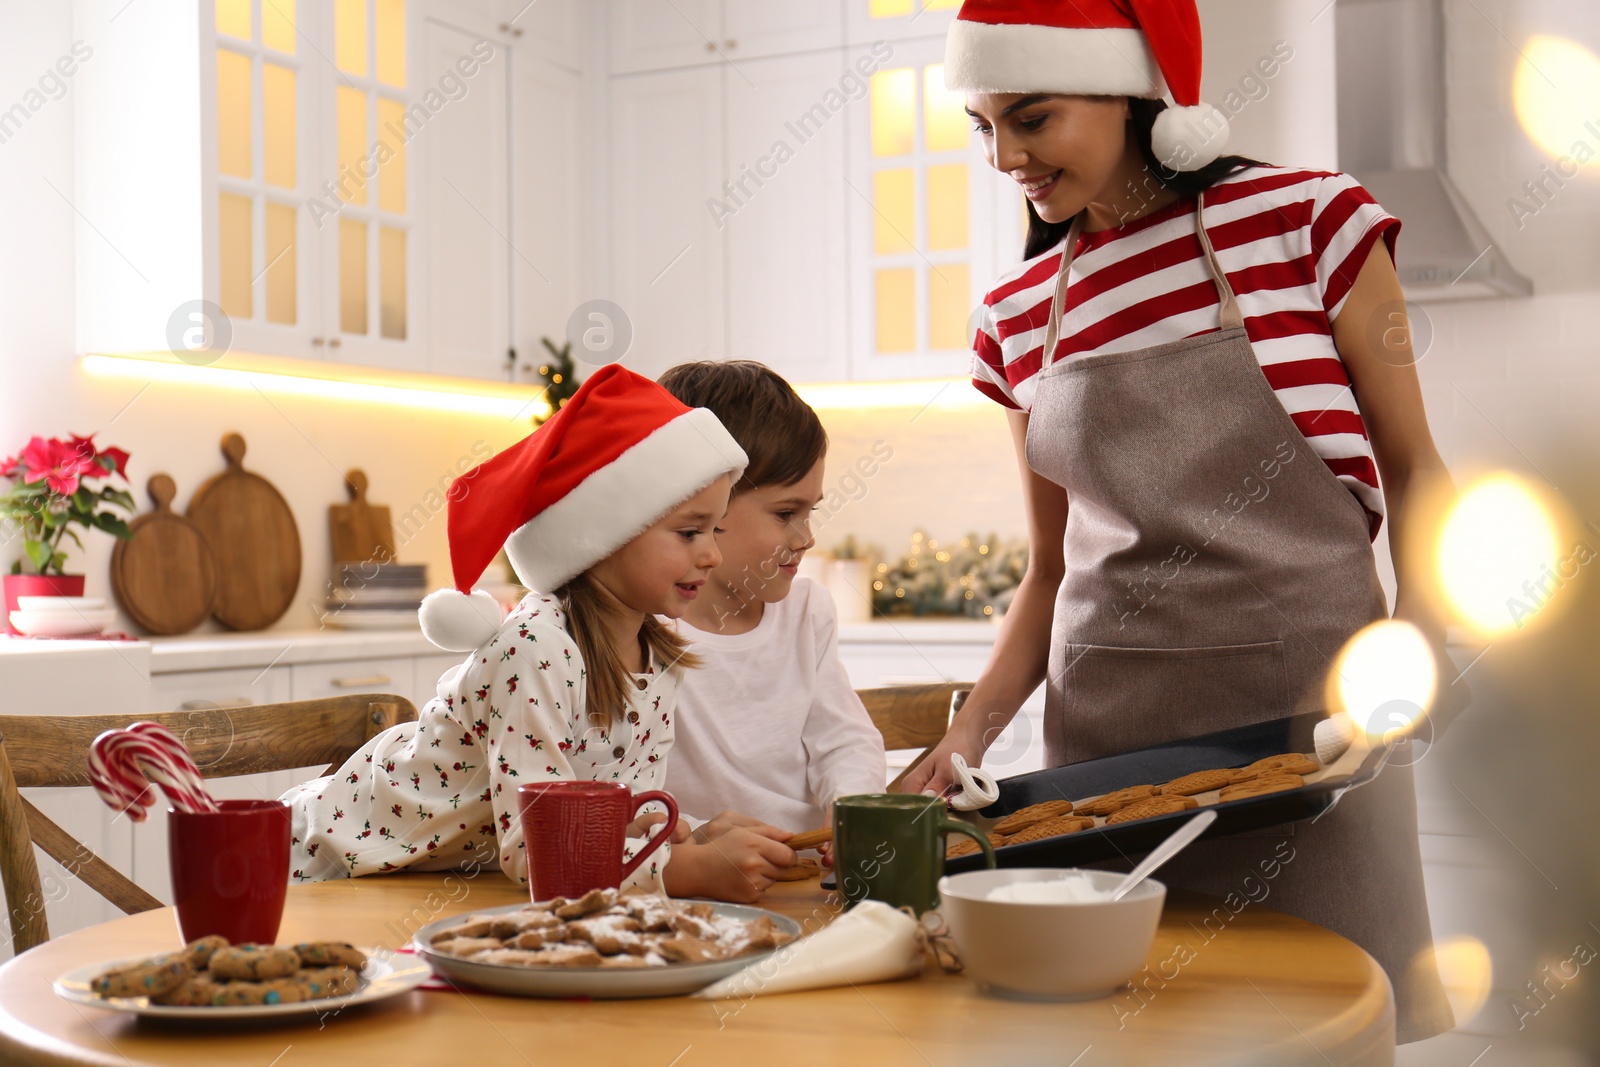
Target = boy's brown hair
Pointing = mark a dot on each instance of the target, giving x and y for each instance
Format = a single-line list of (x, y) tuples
[(778, 431)]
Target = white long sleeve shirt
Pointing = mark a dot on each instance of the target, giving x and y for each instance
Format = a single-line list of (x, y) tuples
[(769, 725)]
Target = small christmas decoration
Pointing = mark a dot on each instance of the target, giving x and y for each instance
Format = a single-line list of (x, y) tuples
[(559, 378), (977, 577)]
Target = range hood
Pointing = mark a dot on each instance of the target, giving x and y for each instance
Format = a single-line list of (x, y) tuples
[(1390, 63)]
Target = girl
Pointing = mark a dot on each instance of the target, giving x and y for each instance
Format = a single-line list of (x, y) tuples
[(771, 724), (607, 513), (1201, 410)]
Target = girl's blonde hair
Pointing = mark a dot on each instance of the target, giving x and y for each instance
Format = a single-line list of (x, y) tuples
[(609, 682)]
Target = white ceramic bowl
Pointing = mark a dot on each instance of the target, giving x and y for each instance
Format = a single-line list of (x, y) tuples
[(61, 603), (1050, 951), (62, 623)]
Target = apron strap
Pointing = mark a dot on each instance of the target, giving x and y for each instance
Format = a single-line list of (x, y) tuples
[(1229, 315)]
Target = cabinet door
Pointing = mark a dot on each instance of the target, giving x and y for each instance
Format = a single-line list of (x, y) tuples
[(553, 197), (464, 145), (261, 127), (755, 28), (922, 232), (666, 251), (658, 34), (380, 93), (202, 691), (786, 218)]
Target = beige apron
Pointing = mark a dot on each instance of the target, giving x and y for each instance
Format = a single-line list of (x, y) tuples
[(1214, 567)]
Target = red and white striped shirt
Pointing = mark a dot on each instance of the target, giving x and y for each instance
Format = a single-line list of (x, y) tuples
[(1291, 243)]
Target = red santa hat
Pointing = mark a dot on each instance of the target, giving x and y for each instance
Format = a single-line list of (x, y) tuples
[(617, 456), (1094, 48)]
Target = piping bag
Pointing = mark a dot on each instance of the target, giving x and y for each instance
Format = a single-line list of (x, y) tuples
[(871, 942)]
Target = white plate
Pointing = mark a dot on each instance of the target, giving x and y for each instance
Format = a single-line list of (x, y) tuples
[(674, 979), (61, 623), (61, 603), (382, 978), (373, 620)]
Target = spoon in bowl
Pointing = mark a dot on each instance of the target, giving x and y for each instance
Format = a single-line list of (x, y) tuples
[(1180, 839)]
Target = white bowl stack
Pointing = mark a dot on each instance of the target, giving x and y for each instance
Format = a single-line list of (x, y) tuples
[(61, 616)]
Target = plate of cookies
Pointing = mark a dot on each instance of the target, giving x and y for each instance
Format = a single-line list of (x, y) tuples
[(1255, 777), (605, 944), (210, 979)]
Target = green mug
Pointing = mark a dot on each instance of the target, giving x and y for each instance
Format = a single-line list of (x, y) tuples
[(890, 847)]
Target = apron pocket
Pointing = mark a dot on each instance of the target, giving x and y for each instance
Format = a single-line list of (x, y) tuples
[(1116, 699)]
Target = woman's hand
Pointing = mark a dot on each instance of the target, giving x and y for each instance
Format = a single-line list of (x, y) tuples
[(934, 774), (738, 866)]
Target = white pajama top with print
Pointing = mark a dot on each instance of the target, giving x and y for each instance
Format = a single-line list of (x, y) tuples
[(441, 793)]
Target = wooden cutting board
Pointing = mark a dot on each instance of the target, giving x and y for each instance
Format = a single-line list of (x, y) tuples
[(360, 531), (255, 541), (164, 575)]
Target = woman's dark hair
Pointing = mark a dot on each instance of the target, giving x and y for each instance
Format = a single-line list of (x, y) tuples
[(1043, 236), (778, 431)]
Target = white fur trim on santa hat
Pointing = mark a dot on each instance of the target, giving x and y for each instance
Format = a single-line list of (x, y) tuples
[(1187, 138), (621, 500), (458, 622), (983, 58)]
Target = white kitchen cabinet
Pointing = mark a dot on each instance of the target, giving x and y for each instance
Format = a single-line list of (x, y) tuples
[(667, 258), (469, 208), (554, 188), (254, 157), (785, 227), (663, 34), (313, 681)]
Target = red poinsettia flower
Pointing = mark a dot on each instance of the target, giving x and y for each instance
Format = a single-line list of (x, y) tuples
[(60, 463), (11, 466)]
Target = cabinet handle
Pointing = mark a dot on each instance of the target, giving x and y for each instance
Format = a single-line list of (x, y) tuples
[(316, 342), (730, 43), (334, 342), (215, 705), (515, 31), (711, 46), (352, 683)]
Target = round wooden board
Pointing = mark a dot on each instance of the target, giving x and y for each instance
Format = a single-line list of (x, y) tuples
[(255, 541), (164, 575)]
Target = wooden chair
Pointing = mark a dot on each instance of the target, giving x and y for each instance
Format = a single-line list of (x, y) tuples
[(40, 751), (913, 716)]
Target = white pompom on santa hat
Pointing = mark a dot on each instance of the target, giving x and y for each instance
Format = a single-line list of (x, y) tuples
[(1093, 48), (620, 454)]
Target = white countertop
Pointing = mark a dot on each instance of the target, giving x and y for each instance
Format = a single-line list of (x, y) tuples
[(224, 651)]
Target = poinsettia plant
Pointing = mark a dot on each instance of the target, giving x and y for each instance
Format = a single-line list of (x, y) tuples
[(51, 492)]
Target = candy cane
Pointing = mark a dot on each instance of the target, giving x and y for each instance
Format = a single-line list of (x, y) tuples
[(124, 763)]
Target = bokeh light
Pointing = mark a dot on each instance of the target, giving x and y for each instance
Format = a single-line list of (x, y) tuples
[(1384, 678), (1555, 86), (1499, 555), (1467, 972)]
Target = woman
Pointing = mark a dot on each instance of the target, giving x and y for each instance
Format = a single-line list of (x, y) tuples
[(1200, 409)]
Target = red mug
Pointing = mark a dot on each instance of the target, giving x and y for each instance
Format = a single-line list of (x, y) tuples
[(230, 869), (573, 833)]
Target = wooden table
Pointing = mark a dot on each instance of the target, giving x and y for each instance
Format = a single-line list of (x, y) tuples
[(1266, 989)]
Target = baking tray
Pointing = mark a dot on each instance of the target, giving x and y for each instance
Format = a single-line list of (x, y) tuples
[(1162, 763)]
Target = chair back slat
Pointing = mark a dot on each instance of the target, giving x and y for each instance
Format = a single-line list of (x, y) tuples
[(52, 751)]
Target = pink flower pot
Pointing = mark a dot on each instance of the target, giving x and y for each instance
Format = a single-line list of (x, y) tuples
[(36, 585)]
